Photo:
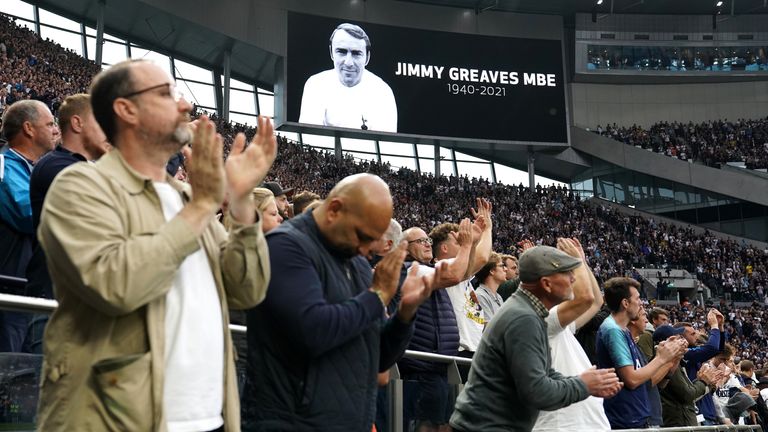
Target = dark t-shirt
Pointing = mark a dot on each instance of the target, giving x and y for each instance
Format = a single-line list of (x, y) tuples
[(46, 169)]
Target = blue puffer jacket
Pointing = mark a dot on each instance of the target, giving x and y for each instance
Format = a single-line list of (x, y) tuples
[(435, 332)]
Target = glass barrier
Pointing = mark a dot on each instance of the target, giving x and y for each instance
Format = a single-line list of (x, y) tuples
[(19, 378), (677, 58)]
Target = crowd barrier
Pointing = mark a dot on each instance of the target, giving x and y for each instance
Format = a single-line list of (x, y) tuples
[(20, 375), (701, 429)]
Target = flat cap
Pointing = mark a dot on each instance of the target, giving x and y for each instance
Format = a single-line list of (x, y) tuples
[(540, 261)]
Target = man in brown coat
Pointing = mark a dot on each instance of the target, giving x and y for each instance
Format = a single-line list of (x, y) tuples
[(143, 272)]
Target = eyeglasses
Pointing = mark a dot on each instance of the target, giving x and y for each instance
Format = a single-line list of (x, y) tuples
[(175, 93), (423, 241)]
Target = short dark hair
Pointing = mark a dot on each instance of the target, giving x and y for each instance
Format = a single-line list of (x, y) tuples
[(355, 31), (302, 199), (493, 261), (728, 351), (440, 233), (617, 289), (657, 312), (106, 87), (17, 114)]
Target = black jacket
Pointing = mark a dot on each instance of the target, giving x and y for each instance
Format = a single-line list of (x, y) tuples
[(317, 342)]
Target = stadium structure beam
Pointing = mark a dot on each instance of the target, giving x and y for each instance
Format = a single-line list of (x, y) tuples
[(531, 170), (455, 164), (100, 31), (227, 74), (437, 160), (415, 156), (218, 91)]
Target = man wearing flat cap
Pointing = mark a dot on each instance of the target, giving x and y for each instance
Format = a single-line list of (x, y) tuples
[(512, 378)]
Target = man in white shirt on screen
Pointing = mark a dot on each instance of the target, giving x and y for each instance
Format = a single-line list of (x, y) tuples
[(349, 95), (568, 357)]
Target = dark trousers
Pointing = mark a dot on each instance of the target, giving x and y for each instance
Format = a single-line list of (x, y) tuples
[(13, 330), (426, 399), (464, 369), (382, 409), (33, 344)]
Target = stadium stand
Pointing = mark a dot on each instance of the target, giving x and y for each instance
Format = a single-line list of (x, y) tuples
[(615, 243), (713, 143), (33, 68)]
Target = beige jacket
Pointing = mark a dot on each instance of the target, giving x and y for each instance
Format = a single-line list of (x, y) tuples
[(112, 257)]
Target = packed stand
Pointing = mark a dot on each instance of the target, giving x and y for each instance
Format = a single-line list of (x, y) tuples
[(39, 69), (746, 328), (616, 242), (146, 274), (712, 143)]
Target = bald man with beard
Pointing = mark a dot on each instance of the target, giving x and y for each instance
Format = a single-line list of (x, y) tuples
[(321, 336)]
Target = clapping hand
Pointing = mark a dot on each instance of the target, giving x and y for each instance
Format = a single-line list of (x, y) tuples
[(246, 167), (415, 290)]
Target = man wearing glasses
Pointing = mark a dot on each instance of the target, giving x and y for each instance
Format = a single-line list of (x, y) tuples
[(426, 403), (143, 272)]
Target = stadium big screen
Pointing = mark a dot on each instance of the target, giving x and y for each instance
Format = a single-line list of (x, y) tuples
[(424, 82)]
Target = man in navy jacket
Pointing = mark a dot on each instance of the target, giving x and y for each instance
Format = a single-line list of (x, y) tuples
[(317, 342), (699, 354)]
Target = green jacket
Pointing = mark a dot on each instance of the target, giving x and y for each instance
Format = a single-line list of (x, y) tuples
[(112, 258), (512, 378), (678, 399), (645, 343)]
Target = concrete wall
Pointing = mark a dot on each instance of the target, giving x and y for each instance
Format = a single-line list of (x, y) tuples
[(598, 104)]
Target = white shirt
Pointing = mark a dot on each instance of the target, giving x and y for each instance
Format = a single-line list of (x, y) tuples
[(469, 315), (569, 359), (328, 102), (193, 391)]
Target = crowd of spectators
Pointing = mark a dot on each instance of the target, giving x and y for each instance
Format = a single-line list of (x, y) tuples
[(33, 68), (712, 143), (744, 327), (615, 242), (40, 69)]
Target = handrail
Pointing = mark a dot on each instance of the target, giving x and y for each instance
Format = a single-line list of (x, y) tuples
[(12, 281), (717, 428), (438, 358), (27, 304), (40, 305)]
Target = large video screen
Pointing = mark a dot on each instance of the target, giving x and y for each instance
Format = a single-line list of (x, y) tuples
[(381, 78)]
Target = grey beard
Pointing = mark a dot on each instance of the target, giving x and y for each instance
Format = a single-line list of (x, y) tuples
[(182, 135)]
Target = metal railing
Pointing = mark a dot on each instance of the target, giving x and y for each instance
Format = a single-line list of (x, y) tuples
[(395, 386), (702, 428), (12, 281)]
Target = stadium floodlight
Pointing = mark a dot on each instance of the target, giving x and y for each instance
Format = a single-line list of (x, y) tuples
[(719, 3), (601, 2)]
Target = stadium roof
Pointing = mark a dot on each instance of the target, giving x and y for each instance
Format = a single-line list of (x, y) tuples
[(158, 30), (570, 7)]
